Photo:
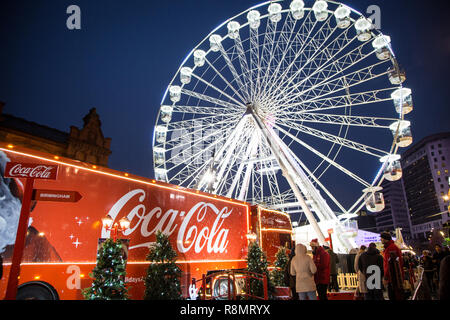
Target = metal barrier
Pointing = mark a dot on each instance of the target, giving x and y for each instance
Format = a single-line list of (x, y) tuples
[(238, 284), (348, 281)]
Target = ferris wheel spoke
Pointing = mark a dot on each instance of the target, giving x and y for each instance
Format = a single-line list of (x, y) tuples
[(267, 53), (255, 65), (231, 67), (250, 149), (332, 50), (344, 82), (324, 157), (355, 99), (317, 181), (228, 160), (216, 101), (229, 139), (213, 100), (189, 161), (201, 123), (348, 120), (331, 66), (201, 130), (246, 73), (191, 178), (202, 110), (230, 169), (302, 37), (335, 139), (271, 175), (189, 142), (236, 92), (283, 44), (217, 89)]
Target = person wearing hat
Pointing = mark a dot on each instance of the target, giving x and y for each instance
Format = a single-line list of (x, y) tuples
[(393, 267), (322, 276), (303, 269)]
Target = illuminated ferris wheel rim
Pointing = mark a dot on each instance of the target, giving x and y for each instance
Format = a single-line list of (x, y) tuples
[(244, 25), (374, 186)]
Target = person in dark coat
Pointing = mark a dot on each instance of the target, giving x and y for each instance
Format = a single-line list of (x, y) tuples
[(438, 256), (429, 269), (393, 267), (334, 260), (322, 262), (370, 258), (351, 257), (444, 279)]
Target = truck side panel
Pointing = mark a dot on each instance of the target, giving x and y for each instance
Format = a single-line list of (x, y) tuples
[(207, 232)]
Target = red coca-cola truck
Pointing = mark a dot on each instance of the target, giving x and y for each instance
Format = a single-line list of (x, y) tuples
[(208, 232)]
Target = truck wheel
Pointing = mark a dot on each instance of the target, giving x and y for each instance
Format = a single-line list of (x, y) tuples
[(220, 289), (35, 292)]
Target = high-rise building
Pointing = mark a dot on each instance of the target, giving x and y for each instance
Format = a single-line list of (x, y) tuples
[(426, 181), (396, 214)]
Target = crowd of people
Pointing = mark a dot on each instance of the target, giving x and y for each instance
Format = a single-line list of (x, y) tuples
[(378, 272)]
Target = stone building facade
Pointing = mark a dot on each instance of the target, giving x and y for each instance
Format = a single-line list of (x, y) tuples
[(87, 144)]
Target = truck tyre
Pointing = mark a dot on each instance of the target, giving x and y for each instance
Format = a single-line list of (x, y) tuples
[(36, 292)]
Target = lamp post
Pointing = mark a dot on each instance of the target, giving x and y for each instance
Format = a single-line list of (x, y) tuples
[(122, 225)]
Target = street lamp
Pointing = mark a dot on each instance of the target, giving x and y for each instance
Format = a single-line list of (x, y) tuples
[(122, 226)]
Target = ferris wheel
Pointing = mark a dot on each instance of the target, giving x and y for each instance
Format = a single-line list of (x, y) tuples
[(282, 105)]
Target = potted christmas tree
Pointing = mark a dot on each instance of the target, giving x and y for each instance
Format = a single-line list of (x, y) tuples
[(279, 274), (257, 263), (109, 274), (163, 275)]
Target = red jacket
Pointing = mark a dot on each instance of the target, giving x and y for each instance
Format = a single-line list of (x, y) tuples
[(322, 262), (388, 248)]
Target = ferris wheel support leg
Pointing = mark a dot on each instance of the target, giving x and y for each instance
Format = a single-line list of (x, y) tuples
[(287, 168)]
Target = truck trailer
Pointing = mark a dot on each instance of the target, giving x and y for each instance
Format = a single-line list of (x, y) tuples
[(208, 232)]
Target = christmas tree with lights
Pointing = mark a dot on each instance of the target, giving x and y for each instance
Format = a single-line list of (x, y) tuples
[(281, 262), (257, 263), (109, 274), (163, 274)]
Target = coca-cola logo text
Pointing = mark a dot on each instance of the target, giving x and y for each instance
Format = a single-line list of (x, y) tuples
[(31, 171), (198, 228)]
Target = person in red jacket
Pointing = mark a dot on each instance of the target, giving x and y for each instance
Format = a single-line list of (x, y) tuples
[(322, 261), (393, 267)]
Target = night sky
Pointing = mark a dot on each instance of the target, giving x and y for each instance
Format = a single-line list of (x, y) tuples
[(126, 53)]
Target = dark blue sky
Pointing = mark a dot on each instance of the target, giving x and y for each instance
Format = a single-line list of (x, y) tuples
[(127, 52)]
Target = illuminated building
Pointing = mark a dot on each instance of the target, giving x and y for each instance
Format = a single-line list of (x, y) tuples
[(425, 176)]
